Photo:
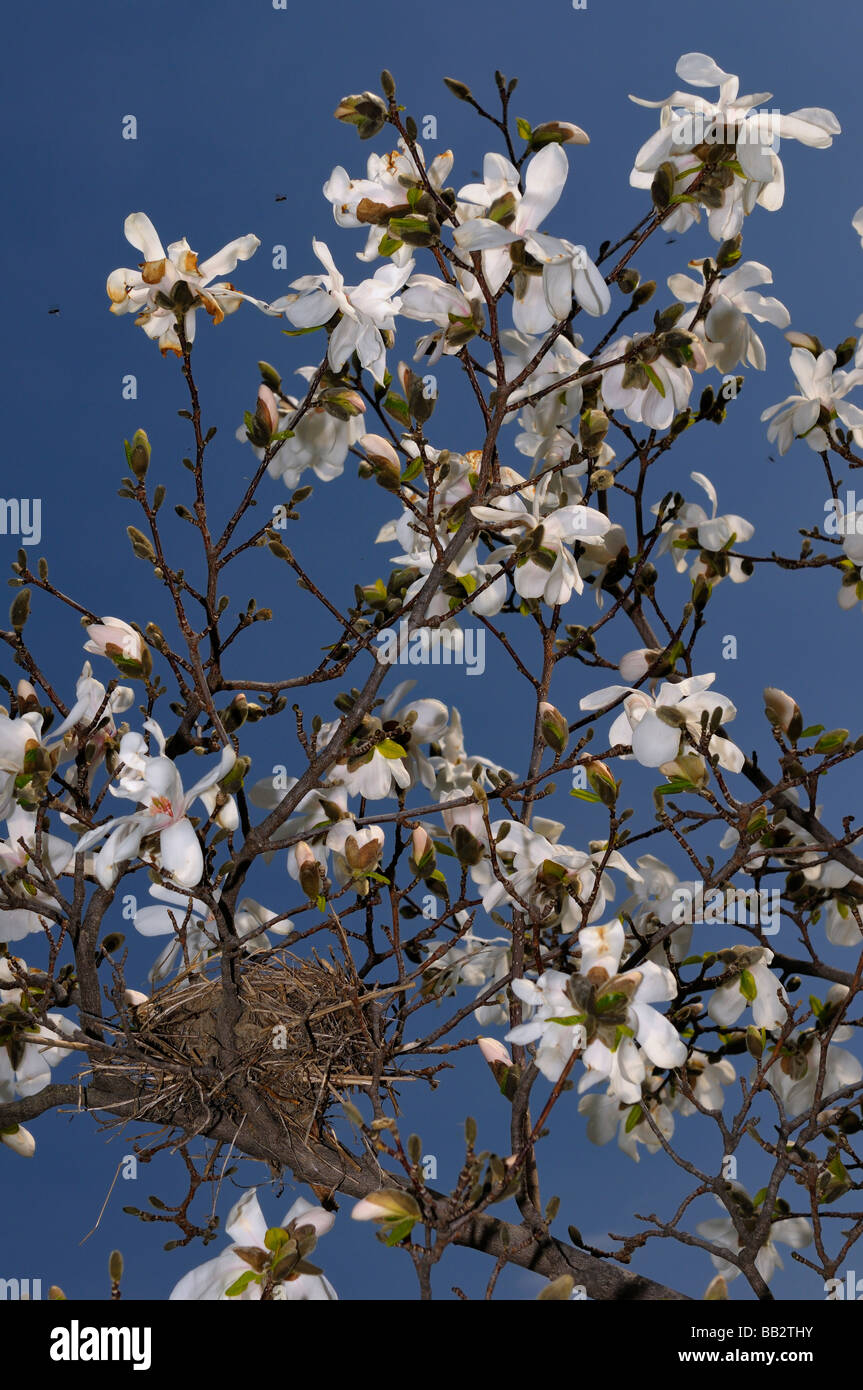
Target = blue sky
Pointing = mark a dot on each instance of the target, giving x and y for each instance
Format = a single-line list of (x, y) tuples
[(233, 103)]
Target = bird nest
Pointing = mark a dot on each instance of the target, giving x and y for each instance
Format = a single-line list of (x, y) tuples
[(304, 1034)]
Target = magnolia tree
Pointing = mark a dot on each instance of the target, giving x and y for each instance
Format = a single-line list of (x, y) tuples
[(425, 904)]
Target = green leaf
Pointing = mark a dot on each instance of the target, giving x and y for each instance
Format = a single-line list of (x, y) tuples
[(523, 127), (812, 731), (829, 742), (607, 1002), (634, 1117), (388, 245), (584, 795), (675, 785), (413, 470), (243, 1282), (390, 748), (398, 1230), (748, 987), (275, 1238), (654, 379), (397, 406), (300, 332)]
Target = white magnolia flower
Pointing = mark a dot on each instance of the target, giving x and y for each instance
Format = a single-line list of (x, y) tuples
[(563, 359), (655, 739), (171, 281), (19, 1140), (507, 217), (545, 568), (756, 175), (796, 1065), (840, 924), (455, 309), (388, 176), (158, 789), (547, 875), (367, 310), (321, 441), (555, 1023), (707, 1080), (476, 962), (455, 769), (177, 911), (795, 1073), (753, 984), (609, 1015), (27, 1057), (247, 1228), (20, 744), (720, 1230), (21, 846), (419, 552), (607, 1116), (114, 638), (644, 401), (651, 906), (813, 414), (92, 702), (374, 773), (728, 336), (692, 531)]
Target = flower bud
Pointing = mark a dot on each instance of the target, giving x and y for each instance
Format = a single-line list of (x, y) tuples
[(592, 430), (342, 403), (494, 1052), (389, 1204), (366, 111), (269, 376), (138, 455), (19, 611), (690, 766), (717, 1290), (458, 89), (805, 340), (310, 871), (783, 712), (235, 715), (27, 698), (601, 780), (267, 409), (19, 1140), (554, 728), (423, 858), (627, 280), (501, 1066), (468, 848), (635, 664), (384, 459), (557, 133), (662, 186)]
